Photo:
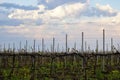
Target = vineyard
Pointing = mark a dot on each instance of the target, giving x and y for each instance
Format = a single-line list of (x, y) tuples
[(56, 65), (59, 66)]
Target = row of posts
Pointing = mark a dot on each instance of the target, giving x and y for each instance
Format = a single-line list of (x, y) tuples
[(53, 45)]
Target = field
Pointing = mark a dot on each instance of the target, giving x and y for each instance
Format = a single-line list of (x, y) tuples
[(56, 65), (59, 66)]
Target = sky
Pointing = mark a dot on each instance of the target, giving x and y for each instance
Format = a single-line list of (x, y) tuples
[(22, 20)]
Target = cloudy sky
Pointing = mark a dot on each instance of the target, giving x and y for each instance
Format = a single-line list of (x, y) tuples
[(22, 20)]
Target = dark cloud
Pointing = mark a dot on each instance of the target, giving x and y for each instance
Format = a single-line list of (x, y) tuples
[(54, 3), (11, 5)]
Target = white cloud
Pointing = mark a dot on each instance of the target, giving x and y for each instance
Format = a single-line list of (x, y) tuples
[(57, 13), (107, 8), (67, 10), (71, 12), (22, 14)]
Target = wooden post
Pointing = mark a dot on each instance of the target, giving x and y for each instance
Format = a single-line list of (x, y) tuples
[(58, 47), (53, 44), (107, 48), (9, 47), (42, 45), (97, 57), (82, 42), (96, 46), (118, 47), (83, 59), (65, 58), (63, 49), (103, 63), (34, 47), (85, 46), (20, 46), (103, 41), (26, 46), (66, 44)]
